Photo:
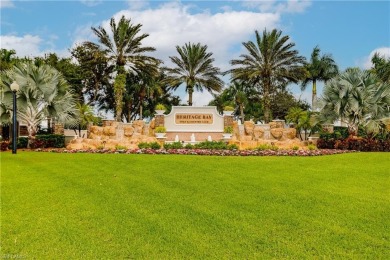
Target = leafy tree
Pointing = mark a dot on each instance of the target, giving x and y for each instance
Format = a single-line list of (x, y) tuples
[(381, 67), (6, 59), (282, 101), (95, 71), (357, 98), (269, 64), (194, 67), (84, 116), (302, 120), (319, 68), (43, 93), (70, 70), (124, 48), (240, 91)]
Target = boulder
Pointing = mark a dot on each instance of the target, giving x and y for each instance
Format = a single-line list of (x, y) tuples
[(277, 133), (138, 126), (109, 130), (273, 125), (258, 132), (129, 131), (248, 127), (96, 130), (290, 133)]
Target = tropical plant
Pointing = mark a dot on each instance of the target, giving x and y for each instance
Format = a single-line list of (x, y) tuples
[(239, 91), (160, 129), (358, 99), (194, 67), (160, 107), (6, 59), (124, 48), (381, 67), (319, 68), (84, 116), (43, 93), (228, 130), (270, 63)]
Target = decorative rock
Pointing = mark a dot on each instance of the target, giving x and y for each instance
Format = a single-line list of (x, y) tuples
[(249, 126), (138, 126), (97, 130), (273, 125), (246, 138), (109, 131), (290, 133), (258, 132), (129, 131), (277, 133)]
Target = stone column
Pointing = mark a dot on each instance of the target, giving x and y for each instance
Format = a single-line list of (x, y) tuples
[(228, 120), (58, 129), (159, 120)]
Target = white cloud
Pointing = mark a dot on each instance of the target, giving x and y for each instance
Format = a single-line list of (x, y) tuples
[(27, 45), (275, 6), (6, 3), (383, 51), (91, 3), (173, 24)]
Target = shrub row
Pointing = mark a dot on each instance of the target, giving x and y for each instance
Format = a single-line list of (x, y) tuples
[(40, 141), (358, 144), (210, 145)]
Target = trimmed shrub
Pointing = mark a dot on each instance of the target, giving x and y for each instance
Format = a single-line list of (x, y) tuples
[(175, 145), (153, 145), (46, 141)]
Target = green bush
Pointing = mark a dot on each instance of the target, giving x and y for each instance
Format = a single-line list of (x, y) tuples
[(46, 141), (232, 147), (120, 147), (153, 145), (228, 130), (160, 129), (312, 147), (22, 142), (295, 148), (175, 145), (160, 107), (263, 147), (189, 146), (213, 145)]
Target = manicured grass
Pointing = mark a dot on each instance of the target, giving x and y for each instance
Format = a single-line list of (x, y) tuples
[(115, 206)]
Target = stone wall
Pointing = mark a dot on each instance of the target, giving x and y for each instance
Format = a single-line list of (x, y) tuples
[(113, 134)]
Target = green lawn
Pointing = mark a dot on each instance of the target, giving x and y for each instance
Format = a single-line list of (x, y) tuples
[(115, 206)]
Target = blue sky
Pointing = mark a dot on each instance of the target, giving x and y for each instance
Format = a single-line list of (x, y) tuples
[(350, 30)]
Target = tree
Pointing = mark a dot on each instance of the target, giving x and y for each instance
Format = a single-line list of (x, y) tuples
[(194, 67), (84, 116), (239, 91), (6, 59), (70, 70), (319, 68), (269, 64), (381, 67), (43, 93), (124, 48), (357, 98)]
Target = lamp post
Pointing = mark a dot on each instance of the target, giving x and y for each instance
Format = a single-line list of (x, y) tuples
[(14, 88)]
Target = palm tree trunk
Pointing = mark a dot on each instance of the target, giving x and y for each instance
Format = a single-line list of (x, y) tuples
[(267, 102), (119, 87), (190, 91), (242, 113), (314, 95)]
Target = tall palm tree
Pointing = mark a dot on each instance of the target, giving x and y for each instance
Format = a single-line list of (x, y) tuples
[(319, 68), (194, 68), (270, 63), (124, 48), (43, 93)]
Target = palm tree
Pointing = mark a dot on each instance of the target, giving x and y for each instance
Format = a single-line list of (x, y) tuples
[(357, 98), (270, 63), (320, 68), (240, 91), (124, 48), (43, 93), (194, 68), (381, 67)]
